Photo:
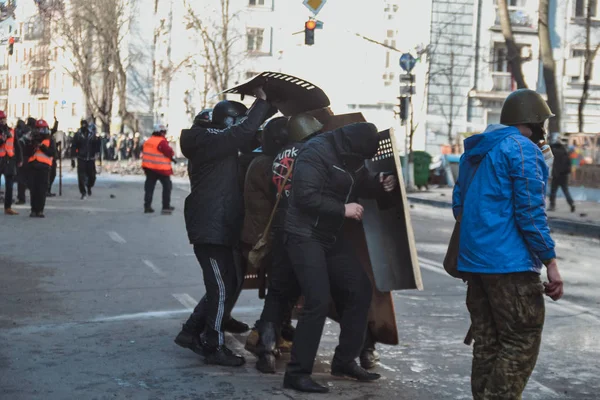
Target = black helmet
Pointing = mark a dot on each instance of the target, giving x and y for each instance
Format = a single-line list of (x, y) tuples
[(227, 113), (524, 106), (275, 136)]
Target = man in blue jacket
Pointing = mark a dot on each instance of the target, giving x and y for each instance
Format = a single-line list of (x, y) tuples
[(504, 244)]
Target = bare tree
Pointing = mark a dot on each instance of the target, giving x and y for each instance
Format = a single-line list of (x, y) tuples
[(513, 51), (590, 55), (549, 65), (92, 33), (218, 40)]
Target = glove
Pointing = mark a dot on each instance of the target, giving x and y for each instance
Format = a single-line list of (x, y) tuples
[(72, 163)]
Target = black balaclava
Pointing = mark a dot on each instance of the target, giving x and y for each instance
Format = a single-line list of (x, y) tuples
[(537, 132), (359, 142)]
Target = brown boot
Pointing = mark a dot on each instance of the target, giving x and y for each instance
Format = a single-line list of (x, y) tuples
[(10, 211)]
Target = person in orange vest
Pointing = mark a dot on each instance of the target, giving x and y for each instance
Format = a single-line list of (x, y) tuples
[(40, 164), (157, 157), (11, 158)]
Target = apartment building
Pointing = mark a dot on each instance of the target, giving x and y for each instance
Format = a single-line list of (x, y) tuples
[(474, 75), (32, 79), (268, 35)]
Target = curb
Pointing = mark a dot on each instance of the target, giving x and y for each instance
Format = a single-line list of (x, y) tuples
[(556, 224)]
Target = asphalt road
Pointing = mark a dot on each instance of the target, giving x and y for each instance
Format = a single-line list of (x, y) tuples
[(92, 297)]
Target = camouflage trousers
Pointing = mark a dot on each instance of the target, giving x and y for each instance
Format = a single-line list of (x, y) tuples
[(507, 318)]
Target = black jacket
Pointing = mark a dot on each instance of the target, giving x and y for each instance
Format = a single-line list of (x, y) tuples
[(330, 172), (85, 145), (8, 165), (562, 162), (214, 210)]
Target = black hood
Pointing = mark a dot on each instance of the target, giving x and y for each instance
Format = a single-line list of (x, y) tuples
[(356, 142)]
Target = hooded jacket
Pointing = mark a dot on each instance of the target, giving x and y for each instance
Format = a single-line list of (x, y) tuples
[(504, 228), (330, 172), (214, 210)]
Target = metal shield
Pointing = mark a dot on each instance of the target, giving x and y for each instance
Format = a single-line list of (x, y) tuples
[(388, 228), (289, 94)]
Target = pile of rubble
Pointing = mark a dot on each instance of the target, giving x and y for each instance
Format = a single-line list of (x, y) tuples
[(134, 167)]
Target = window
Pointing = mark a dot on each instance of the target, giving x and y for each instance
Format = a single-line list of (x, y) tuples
[(500, 60), (387, 59), (390, 33), (73, 109), (578, 53), (28, 109), (23, 79), (255, 39), (22, 109), (581, 8), (256, 2)]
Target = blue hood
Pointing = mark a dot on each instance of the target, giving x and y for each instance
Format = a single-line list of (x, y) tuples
[(477, 146)]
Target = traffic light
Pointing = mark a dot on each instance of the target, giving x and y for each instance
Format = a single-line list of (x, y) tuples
[(11, 45), (309, 32)]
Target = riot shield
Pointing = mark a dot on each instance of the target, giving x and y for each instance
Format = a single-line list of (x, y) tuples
[(388, 228), (289, 94)]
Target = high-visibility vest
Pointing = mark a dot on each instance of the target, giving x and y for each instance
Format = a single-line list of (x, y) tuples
[(152, 158), (40, 156), (8, 148)]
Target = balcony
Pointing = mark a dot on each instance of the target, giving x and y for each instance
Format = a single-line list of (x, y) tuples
[(39, 63), (503, 82), (40, 91), (522, 20)]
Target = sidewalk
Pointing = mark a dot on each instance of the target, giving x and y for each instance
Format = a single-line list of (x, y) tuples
[(584, 222)]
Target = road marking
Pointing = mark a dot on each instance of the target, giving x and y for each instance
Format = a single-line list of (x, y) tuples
[(430, 262), (142, 315), (573, 309), (432, 268), (186, 300), (542, 388), (116, 237), (153, 267)]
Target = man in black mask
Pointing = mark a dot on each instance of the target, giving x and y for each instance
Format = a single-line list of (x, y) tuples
[(329, 176), (85, 147), (214, 215)]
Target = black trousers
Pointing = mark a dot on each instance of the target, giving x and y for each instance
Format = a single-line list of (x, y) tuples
[(284, 290), (38, 186), (165, 181), (197, 321), (86, 174), (562, 182), (22, 183), (52, 176), (221, 283), (9, 180), (325, 272)]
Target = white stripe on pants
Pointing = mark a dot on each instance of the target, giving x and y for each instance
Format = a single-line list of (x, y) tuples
[(221, 304)]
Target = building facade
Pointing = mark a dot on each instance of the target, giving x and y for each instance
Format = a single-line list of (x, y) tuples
[(470, 76)]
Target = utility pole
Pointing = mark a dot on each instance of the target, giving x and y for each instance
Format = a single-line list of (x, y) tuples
[(407, 89)]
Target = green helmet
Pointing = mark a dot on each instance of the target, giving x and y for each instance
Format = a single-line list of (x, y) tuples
[(302, 126), (524, 106)]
